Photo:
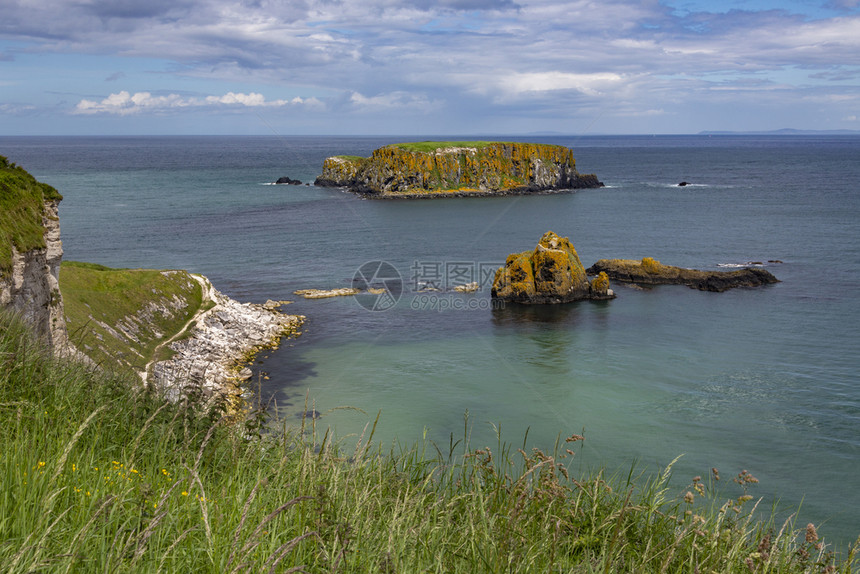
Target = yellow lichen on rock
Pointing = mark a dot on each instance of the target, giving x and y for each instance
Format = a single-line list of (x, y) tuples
[(651, 265), (649, 271), (600, 284), (516, 279), (551, 273), (491, 168)]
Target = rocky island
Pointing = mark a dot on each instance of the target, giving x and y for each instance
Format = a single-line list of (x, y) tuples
[(458, 169), (649, 271), (551, 273)]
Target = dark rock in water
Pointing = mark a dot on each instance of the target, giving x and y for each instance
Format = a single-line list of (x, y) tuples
[(311, 414), (286, 180), (652, 272), (551, 273), (682, 184)]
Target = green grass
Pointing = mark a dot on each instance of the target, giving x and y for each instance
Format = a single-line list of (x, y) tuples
[(21, 208), (99, 476), (431, 146), (119, 317)]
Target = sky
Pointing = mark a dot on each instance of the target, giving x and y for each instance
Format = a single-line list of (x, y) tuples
[(392, 67)]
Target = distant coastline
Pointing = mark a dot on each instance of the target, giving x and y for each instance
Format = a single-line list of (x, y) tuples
[(782, 132)]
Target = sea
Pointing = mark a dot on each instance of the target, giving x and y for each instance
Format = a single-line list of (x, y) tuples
[(763, 379)]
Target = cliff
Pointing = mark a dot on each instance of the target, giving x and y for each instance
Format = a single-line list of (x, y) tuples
[(649, 271), (433, 169), (30, 253), (551, 273), (169, 327)]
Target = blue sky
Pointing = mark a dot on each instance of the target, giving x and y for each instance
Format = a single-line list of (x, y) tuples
[(291, 67)]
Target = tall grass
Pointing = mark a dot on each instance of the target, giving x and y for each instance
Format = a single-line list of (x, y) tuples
[(100, 476)]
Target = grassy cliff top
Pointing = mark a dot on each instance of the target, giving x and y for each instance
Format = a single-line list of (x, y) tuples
[(121, 317), (22, 201), (431, 146)]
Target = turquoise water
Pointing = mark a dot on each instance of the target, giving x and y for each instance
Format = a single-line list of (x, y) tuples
[(759, 379)]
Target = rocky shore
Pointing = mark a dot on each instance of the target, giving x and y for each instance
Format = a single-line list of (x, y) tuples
[(211, 361)]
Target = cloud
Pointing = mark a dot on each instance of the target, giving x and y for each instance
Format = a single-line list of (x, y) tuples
[(843, 5), (124, 103), (468, 5), (494, 56), (135, 9), (17, 109), (394, 100), (591, 84)]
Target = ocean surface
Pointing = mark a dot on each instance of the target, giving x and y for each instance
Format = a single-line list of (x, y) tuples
[(764, 380)]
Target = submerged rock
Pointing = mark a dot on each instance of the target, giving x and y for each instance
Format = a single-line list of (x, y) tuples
[(437, 169), (551, 273), (326, 293), (649, 271), (467, 288)]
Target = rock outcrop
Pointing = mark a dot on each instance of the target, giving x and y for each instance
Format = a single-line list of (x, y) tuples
[(648, 271), (551, 273), (30, 253), (211, 361), (433, 169)]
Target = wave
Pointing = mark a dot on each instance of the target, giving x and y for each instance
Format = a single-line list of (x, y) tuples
[(750, 264)]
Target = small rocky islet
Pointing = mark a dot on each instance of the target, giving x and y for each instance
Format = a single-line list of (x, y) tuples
[(457, 169), (553, 273), (649, 271)]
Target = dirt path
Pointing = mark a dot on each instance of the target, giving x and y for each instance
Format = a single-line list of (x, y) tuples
[(196, 320)]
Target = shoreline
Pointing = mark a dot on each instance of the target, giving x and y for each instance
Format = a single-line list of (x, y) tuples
[(459, 193), (211, 353)]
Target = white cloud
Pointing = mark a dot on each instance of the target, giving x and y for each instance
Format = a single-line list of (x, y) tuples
[(391, 100), (251, 100), (16, 109), (590, 84), (124, 103), (484, 58)]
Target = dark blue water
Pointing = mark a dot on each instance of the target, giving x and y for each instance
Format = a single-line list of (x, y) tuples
[(760, 379)]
